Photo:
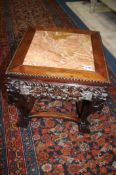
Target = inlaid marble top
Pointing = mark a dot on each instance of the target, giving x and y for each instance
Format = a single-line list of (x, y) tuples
[(60, 55), (60, 50)]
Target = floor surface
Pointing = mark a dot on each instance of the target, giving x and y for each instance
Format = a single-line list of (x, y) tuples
[(102, 20)]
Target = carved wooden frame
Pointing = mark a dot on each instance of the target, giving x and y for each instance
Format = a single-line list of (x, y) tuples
[(67, 82), (100, 76)]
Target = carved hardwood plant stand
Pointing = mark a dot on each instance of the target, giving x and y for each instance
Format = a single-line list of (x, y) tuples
[(61, 64)]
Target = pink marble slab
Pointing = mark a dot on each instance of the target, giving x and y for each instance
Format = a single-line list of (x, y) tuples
[(60, 50)]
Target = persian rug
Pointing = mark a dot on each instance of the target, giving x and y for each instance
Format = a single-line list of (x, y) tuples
[(49, 146)]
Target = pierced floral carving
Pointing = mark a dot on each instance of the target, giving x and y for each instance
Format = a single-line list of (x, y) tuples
[(56, 90)]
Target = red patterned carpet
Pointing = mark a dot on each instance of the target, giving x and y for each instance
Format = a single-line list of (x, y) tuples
[(50, 146)]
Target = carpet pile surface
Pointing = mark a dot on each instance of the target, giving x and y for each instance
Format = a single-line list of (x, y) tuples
[(49, 146)]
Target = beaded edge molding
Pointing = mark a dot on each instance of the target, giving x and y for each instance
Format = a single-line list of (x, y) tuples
[(75, 80)]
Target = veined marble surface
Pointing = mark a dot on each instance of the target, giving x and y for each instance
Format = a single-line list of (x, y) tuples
[(60, 50)]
